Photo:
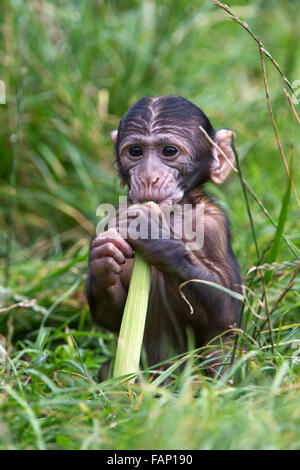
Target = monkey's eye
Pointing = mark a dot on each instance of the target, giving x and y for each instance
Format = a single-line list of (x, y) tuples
[(135, 151), (169, 151)]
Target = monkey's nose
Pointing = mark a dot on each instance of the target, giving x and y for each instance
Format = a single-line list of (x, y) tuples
[(151, 181)]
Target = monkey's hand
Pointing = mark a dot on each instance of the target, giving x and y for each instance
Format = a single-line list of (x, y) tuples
[(105, 288), (108, 253), (148, 231)]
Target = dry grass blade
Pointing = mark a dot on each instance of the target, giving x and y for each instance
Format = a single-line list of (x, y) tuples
[(256, 38), (292, 106), (233, 294), (214, 144), (238, 170), (281, 296), (249, 190), (273, 266), (286, 290), (273, 122), (246, 289), (263, 50), (24, 304)]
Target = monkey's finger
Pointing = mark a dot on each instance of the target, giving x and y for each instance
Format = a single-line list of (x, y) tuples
[(111, 265), (111, 279), (114, 237), (107, 278), (108, 249), (103, 266), (153, 206), (111, 232)]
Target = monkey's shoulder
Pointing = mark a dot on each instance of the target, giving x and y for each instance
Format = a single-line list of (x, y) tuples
[(216, 226), (213, 215)]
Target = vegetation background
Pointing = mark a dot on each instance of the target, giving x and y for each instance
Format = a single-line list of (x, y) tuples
[(71, 70)]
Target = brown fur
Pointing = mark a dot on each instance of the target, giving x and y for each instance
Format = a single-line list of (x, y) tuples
[(152, 124)]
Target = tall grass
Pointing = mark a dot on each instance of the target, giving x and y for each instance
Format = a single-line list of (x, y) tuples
[(71, 70)]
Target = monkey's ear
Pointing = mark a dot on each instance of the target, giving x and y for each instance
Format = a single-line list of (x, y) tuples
[(222, 166), (114, 136)]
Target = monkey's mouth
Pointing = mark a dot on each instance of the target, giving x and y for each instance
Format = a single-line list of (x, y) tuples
[(169, 199), (144, 200)]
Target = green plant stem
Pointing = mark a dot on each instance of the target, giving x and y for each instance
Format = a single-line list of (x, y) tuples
[(134, 317)]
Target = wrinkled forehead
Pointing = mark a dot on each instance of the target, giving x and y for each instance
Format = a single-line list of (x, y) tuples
[(158, 126), (170, 119)]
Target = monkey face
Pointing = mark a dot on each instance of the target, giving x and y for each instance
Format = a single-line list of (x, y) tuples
[(154, 164), (161, 153)]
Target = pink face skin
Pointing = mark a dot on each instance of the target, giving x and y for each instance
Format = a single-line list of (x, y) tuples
[(155, 162)]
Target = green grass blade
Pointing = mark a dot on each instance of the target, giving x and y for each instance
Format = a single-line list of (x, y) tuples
[(281, 223)]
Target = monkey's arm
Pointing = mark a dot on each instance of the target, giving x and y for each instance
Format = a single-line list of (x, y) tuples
[(108, 278), (211, 305), (106, 303), (214, 262)]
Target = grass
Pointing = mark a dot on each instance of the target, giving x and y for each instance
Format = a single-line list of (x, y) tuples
[(71, 70)]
